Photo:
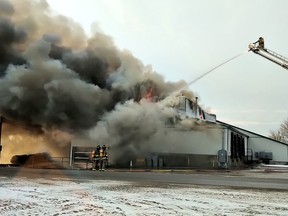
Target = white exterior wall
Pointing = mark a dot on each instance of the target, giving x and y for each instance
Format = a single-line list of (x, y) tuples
[(259, 144), (170, 140), (206, 142)]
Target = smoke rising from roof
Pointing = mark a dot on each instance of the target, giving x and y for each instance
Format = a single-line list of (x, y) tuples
[(56, 78)]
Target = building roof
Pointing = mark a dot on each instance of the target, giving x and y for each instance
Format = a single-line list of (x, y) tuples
[(235, 128)]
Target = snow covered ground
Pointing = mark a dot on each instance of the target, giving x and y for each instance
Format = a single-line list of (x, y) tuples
[(21, 196)]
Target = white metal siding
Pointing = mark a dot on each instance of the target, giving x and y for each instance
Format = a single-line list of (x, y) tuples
[(207, 142), (259, 144)]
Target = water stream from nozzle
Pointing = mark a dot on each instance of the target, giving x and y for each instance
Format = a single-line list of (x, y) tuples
[(212, 69)]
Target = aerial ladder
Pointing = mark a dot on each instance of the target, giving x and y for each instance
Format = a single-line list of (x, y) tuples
[(259, 49)]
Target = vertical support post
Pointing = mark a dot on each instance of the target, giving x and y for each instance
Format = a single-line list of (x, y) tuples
[(131, 165), (1, 120), (71, 155), (224, 138), (196, 107)]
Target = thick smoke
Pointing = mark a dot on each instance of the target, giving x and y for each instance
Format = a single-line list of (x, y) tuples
[(55, 78), (20, 140)]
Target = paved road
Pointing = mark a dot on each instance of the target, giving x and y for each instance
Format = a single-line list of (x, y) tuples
[(241, 179)]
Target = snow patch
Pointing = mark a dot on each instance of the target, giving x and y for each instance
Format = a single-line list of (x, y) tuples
[(21, 196)]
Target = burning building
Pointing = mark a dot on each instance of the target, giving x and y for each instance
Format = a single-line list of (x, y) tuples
[(61, 90), (57, 83), (177, 135)]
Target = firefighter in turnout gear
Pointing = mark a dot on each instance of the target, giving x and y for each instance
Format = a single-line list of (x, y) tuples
[(96, 157), (260, 43), (103, 158)]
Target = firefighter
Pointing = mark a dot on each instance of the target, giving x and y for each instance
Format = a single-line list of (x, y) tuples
[(260, 43), (96, 157), (103, 158), (105, 155)]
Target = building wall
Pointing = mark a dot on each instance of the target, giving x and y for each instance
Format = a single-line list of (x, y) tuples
[(262, 144), (174, 148), (173, 160), (191, 149), (198, 148), (279, 151), (206, 142)]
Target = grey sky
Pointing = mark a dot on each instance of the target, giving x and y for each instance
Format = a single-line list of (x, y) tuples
[(184, 39)]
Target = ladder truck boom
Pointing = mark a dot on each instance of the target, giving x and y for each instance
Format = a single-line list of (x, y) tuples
[(268, 54)]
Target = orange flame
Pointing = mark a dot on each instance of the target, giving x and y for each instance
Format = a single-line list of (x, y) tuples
[(149, 95)]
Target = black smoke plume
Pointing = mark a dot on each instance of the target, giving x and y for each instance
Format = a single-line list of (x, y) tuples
[(52, 76)]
